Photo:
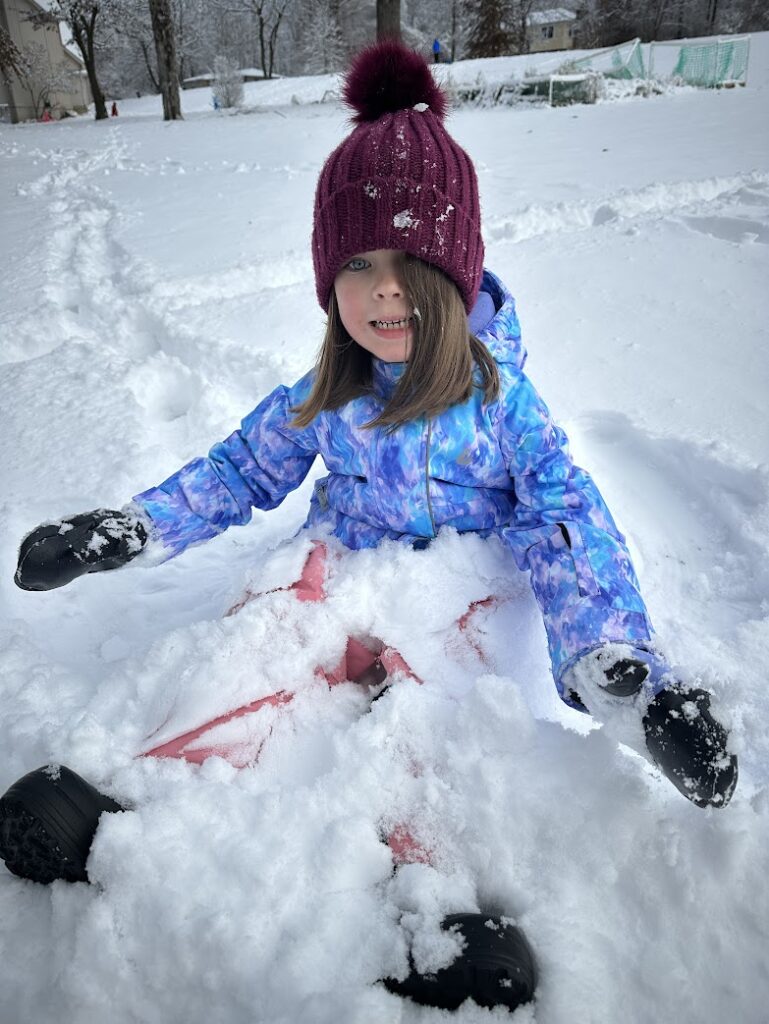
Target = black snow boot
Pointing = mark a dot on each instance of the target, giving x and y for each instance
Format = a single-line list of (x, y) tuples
[(47, 824), (496, 968), (690, 746)]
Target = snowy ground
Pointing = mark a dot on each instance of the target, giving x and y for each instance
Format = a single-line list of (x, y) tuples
[(157, 283)]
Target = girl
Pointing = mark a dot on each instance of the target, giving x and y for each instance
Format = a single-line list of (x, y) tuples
[(421, 412)]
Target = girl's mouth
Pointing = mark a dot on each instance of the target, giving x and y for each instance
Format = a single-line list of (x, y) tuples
[(392, 325)]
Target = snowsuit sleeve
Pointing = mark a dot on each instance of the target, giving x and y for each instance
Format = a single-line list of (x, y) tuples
[(564, 534), (255, 467)]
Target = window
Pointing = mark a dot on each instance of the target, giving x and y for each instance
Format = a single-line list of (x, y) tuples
[(547, 31)]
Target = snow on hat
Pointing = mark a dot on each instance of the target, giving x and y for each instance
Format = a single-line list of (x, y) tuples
[(398, 181)]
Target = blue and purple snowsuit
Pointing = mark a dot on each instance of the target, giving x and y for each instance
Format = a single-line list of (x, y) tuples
[(502, 468)]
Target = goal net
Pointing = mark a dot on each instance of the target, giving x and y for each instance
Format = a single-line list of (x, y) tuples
[(623, 61), (717, 62)]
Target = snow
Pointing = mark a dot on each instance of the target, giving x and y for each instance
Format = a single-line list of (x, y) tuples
[(550, 17), (405, 219), (158, 282)]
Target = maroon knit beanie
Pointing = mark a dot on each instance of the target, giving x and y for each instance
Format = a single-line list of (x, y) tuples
[(398, 181)]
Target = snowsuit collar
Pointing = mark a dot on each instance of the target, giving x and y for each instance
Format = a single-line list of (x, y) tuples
[(500, 334)]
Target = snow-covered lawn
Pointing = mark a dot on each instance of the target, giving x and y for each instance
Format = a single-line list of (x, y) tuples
[(156, 283)]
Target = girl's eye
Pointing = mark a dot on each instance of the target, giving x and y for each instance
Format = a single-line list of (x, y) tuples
[(358, 263)]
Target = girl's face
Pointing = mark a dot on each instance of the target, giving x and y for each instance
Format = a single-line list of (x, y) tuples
[(373, 304)]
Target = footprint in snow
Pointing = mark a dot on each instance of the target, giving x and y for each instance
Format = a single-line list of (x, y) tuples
[(739, 230), (164, 387)]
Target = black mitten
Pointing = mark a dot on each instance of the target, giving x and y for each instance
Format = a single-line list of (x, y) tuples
[(690, 746), (57, 553)]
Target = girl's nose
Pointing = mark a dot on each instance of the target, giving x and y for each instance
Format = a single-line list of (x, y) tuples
[(388, 285)]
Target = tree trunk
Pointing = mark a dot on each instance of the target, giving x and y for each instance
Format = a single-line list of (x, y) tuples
[(262, 46), (274, 36), (388, 19), (100, 106), (148, 65), (83, 31), (660, 13), (165, 48)]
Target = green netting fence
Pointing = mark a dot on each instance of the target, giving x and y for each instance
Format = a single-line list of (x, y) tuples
[(713, 64)]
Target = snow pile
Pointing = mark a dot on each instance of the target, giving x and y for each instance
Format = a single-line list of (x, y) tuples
[(161, 284)]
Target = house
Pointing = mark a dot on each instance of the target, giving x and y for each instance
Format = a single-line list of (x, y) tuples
[(550, 30), (58, 79)]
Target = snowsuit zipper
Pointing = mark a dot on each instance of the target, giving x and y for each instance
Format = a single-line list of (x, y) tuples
[(427, 479)]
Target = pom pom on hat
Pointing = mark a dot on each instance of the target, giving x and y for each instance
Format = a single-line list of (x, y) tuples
[(388, 77), (399, 180)]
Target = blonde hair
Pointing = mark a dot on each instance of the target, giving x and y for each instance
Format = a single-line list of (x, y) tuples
[(439, 372)]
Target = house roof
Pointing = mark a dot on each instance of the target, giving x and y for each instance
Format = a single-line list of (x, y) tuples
[(208, 75), (64, 33), (551, 17)]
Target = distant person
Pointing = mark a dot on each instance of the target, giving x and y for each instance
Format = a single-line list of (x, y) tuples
[(113, 112), (436, 51), (47, 116)]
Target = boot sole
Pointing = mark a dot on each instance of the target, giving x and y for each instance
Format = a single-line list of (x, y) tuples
[(47, 824)]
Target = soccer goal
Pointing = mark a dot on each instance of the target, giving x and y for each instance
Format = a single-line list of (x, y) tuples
[(624, 61), (710, 64), (581, 79)]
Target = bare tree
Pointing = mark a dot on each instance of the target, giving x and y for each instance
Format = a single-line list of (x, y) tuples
[(130, 41), (712, 14), (321, 46), (517, 21), (165, 50), (268, 15), (315, 36), (11, 59), (655, 14), (609, 22), (750, 15), (487, 33), (456, 28), (495, 28), (82, 18)]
